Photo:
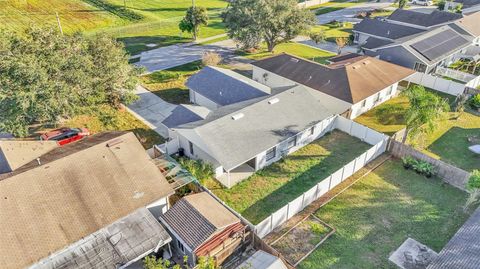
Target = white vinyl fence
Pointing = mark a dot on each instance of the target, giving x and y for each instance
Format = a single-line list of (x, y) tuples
[(437, 83), (379, 142)]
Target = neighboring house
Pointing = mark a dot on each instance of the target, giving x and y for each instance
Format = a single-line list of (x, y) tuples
[(417, 40), (463, 249), (83, 205), (241, 138), (467, 6), (262, 260), (422, 20), (214, 87), (352, 83), (201, 226)]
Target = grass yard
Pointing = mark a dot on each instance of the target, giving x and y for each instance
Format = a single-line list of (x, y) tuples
[(274, 186), (377, 214), (334, 30), (170, 84), (109, 119), (300, 50), (448, 142), (158, 27)]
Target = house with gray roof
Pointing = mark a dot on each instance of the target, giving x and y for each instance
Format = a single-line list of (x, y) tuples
[(214, 87), (241, 138), (418, 40), (201, 226)]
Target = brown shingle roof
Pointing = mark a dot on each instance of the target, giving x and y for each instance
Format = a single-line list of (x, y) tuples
[(351, 80), (79, 189), (470, 23), (16, 153), (196, 218)]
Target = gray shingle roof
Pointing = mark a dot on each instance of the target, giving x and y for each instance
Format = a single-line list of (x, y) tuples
[(197, 217), (118, 243), (263, 125), (463, 250), (373, 43), (385, 29), (225, 87), (436, 17), (184, 114)]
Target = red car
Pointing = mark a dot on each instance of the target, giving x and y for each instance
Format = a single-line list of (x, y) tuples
[(65, 136)]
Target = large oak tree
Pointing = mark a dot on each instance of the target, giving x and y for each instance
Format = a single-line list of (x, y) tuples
[(46, 76), (273, 21)]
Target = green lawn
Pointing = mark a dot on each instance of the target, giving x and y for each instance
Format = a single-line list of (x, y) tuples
[(159, 25), (293, 48), (170, 84), (276, 185), (377, 214), (334, 30), (448, 142)]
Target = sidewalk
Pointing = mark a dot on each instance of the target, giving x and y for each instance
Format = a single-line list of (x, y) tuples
[(151, 110)]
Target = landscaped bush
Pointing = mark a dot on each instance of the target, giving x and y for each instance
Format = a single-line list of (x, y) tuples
[(116, 10), (199, 169), (475, 101), (422, 167), (211, 58)]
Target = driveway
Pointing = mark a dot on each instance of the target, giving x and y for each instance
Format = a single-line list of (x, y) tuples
[(175, 55), (151, 110), (348, 14)]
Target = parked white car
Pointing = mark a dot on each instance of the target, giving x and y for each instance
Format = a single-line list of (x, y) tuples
[(422, 2)]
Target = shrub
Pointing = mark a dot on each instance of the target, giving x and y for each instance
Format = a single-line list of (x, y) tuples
[(317, 37), (199, 169), (211, 58), (475, 101), (408, 162), (473, 187), (424, 168)]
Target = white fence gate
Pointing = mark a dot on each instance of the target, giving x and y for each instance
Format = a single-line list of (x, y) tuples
[(379, 142)]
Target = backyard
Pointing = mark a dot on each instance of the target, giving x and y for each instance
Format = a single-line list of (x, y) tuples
[(147, 24), (272, 187), (373, 218), (449, 142)]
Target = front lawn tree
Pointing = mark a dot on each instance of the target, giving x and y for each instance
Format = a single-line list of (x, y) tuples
[(424, 112), (46, 77), (195, 17), (272, 21)]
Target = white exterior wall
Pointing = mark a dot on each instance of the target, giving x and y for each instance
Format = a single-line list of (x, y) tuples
[(158, 207), (199, 154), (303, 138), (358, 108), (196, 98)]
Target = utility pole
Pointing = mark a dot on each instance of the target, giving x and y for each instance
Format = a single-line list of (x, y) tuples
[(59, 23)]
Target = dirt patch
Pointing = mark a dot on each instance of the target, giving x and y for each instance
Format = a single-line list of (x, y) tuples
[(302, 239)]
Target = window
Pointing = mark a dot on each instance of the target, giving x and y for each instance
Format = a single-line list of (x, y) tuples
[(364, 103), (377, 98), (190, 145), (390, 90), (271, 153), (292, 142), (420, 67), (181, 247), (312, 130)]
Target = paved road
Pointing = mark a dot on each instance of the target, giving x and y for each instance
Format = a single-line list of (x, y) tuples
[(151, 110), (175, 55), (348, 14)]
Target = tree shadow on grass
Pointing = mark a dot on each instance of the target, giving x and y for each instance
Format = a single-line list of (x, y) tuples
[(174, 95), (136, 44), (452, 147), (341, 148)]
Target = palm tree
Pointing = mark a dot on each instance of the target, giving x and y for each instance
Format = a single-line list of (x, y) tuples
[(426, 109)]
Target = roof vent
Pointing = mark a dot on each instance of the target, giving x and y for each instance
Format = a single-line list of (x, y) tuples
[(294, 60), (356, 66), (237, 116), (366, 62), (273, 101)]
